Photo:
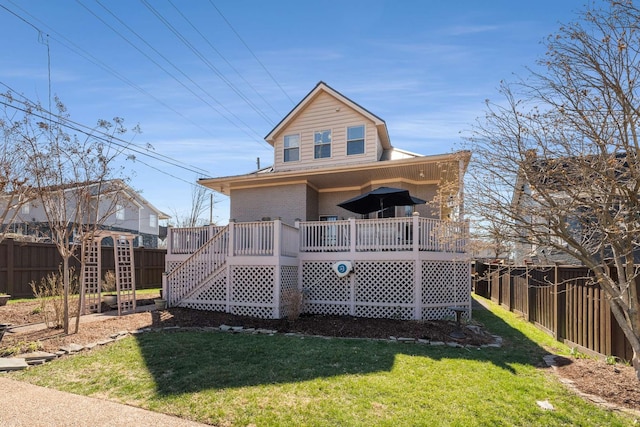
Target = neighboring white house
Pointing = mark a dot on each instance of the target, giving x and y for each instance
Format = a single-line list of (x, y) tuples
[(120, 208), (286, 232)]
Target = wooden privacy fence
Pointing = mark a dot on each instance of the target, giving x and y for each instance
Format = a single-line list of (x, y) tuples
[(562, 300), (24, 262)]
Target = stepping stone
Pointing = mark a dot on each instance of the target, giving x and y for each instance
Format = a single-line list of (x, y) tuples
[(12, 364), (72, 348), (406, 340), (36, 355)]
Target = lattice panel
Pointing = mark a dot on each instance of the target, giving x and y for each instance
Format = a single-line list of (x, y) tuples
[(436, 313), (321, 283), (213, 290), (387, 282), (289, 293), (203, 306), (386, 312), (253, 284), (327, 309), (445, 283), (91, 276), (261, 312), (171, 265)]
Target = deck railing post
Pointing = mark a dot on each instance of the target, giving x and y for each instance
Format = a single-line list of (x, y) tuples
[(232, 249), (415, 232), (352, 234), (169, 240)]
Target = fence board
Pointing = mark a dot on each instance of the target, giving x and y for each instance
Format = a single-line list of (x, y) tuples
[(562, 300), (24, 262)]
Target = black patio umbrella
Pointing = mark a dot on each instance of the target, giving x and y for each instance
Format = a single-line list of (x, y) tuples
[(379, 199)]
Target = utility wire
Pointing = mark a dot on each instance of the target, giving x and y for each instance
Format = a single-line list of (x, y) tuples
[(203, 58), (86, 55), (249, 49), (256, 137), (95, 133), (223, 57)]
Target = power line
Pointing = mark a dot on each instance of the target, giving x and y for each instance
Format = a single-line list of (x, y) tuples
[(92, 59), (256, 137), (223, 57), (200, 56), (96, 133), (249, 49)]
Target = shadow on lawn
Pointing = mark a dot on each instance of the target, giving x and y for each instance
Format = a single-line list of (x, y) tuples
[(191, 361)]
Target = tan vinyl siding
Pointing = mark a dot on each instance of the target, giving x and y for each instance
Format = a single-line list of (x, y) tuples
[(326, 113)]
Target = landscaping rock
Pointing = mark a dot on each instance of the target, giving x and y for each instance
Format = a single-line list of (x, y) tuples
[(12, 364)]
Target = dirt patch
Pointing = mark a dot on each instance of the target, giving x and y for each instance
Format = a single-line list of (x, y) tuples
[(616, 384)]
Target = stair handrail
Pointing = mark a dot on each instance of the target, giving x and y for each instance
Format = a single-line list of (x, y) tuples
[(197, 267)]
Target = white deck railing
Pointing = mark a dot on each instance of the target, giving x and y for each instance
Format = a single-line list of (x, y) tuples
[(269, 238), (187, 240), (397, 234)]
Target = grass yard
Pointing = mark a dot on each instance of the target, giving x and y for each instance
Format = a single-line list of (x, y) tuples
[(226, 379)]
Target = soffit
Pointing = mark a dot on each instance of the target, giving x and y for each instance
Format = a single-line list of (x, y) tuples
[(417, 171)]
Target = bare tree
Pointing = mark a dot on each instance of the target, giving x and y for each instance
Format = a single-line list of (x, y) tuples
[(15, 189), (70, 178), (201, 200), (558, 161)]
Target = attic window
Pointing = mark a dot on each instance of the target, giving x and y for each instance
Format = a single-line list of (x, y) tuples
[(322, 144), (119, 212), (292, 148), (355, 140)]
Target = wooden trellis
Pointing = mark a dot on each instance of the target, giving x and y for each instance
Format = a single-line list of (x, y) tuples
[(91, 293)]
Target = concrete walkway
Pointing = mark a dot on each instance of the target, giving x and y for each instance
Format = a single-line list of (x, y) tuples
[(25, 405)]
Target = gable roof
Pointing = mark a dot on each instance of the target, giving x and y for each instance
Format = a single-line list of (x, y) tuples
[(322, 87)]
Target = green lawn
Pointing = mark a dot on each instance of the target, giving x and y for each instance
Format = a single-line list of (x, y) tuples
[(226, 379)]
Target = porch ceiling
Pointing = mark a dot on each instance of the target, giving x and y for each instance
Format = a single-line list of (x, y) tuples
[(420, 170)]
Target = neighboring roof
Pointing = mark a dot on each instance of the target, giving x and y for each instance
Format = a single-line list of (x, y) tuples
[(108, 186), (322, 87), (421, 169)]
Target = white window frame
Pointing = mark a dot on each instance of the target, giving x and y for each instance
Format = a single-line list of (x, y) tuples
[(120, 213), (322, 144), (25, 209), (153, 220), (363, 139), (290, 148)]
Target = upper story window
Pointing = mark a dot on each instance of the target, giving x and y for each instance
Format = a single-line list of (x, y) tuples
[(153, 221), (292, 148), (120, 212), (24, 210), (355, 140), (322, 144)]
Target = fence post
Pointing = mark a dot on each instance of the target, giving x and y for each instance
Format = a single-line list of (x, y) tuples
[(10, 266), (556, 323), (352, 235), (530, 300)]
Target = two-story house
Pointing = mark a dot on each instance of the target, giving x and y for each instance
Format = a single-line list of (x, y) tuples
[(119, 208), (287, 231)]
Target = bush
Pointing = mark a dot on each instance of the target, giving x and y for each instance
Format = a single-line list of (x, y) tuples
[(50, 294)]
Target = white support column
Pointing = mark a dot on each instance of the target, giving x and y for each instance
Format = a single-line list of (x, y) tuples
[(352, 235), (277, 273)]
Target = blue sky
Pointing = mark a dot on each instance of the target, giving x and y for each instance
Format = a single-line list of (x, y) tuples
[(206, 80)]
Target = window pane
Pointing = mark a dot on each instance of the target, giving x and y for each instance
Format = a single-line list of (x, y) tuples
[(355, 147), (291, 155), (355, 132), (322, 151), (291, 141)]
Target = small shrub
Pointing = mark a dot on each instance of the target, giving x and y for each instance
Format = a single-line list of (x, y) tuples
[(50, 294), (21, 347), (578, 354), (109, 283), (611, 360), (294, 299)]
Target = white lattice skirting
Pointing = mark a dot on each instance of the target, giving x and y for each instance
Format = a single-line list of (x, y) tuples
[(419, 290), (388, 289)]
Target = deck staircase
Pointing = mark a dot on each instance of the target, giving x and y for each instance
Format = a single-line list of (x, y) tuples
[(205, 265)]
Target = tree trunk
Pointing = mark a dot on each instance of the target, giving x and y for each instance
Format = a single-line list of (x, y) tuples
[(65, 294), (628, 330)]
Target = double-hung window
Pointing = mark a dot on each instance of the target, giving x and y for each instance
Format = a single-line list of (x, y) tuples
[(119, 212), (355, 140), (322, 144), (292, 148)]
